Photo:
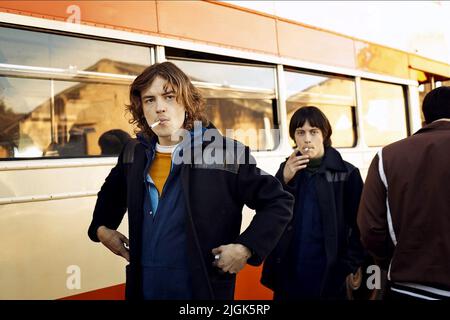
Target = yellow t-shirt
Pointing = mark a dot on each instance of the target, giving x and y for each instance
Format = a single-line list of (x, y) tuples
[(160, 169)]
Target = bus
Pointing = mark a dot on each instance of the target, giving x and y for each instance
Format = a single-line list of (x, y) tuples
[(65, 71)]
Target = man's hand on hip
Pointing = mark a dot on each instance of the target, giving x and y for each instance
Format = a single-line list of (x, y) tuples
[(231, 257), (114, 241)]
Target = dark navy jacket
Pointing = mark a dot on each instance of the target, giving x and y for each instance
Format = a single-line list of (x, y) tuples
[(165, 271), (338, 187), (215, 194), (305, 259)]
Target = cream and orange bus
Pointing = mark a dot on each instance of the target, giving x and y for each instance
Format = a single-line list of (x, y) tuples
[(65, 71)]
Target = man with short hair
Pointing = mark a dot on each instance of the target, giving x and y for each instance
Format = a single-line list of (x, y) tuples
[(185, 194), (404, 214)]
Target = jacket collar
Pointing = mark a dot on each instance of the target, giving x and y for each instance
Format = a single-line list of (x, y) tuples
[(436, 125), (148, 143), (332, 160), (196, 138)]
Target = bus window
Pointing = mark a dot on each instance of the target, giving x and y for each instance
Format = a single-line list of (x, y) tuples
[(240, 99), (334, 96), (82, 113), (383, 110), (424, 89), (62, 96), (38, 49)]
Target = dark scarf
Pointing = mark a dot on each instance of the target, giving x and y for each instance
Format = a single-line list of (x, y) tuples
[(314, 164)]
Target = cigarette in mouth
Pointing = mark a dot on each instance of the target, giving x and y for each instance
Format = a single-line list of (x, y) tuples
[(306, 149), (155, 124)]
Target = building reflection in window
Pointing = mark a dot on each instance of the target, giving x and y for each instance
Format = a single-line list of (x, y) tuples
[(334, 96), (384, 112), (241, 99)]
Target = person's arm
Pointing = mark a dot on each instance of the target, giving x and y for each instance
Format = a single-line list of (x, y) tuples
[(109, 211), (372, 216), (116, 242), (273, 210), (355, 254)]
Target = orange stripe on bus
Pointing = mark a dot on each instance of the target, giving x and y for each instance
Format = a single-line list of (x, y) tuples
[(248, 287), (109, 293)]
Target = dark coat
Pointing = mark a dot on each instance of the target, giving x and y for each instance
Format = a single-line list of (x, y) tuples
[(338, 188), (215, 195)]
